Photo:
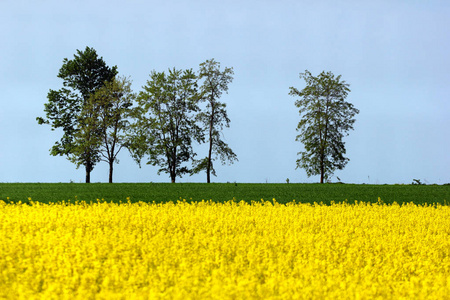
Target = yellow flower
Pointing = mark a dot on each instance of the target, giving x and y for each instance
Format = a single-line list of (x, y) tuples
[(208, 250)]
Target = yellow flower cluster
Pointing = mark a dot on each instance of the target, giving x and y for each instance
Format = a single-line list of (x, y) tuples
[(205, 250)]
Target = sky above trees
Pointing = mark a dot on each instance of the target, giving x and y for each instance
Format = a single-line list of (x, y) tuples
[(394, 55)]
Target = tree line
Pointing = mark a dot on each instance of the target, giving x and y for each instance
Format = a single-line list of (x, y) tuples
[(100, 115)]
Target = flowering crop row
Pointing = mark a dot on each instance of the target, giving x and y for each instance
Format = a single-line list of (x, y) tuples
[(206, 250)]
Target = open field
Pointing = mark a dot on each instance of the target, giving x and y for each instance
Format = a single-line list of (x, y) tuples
[(222, 192), (210, 250), (155, 246)]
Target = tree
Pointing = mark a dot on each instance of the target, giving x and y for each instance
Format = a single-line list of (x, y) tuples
[(82, 76), (325, 119), (165, 124), (214, 118), (110, 110)]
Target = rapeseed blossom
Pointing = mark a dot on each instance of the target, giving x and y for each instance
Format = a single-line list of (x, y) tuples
[(234, 250)]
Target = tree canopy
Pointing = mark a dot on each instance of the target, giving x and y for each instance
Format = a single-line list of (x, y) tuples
[(111, 109), (325, 119), (82, 76), (214, 117), (166, 125)]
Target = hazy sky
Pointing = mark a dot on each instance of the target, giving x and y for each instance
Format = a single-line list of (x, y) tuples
[(394, 54)]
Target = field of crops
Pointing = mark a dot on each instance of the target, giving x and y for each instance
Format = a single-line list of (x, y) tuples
[(222, 192), (229, 250)]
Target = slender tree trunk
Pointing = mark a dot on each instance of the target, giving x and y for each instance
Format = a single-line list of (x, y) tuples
[(173, 168), (111, 167), (208, 166), (88, 173), (325, 143), (322, 163), (172, 174), (208, 171), (321, 174), (111, 154), (321, 144)]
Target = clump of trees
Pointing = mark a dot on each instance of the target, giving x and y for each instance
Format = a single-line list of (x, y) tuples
[(110, 110), (100, 115), (67, 108)]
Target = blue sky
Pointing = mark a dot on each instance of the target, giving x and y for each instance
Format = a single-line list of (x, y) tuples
[(394, 55)]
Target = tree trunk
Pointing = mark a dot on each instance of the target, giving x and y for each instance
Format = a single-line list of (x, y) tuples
[(208, 176), (111, 167), (322, 167), (88, 173), (173, 174), (325, 144), (173, 168), (208, 166)]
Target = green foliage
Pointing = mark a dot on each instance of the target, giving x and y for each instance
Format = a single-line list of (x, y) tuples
[(108, 112), (202, 165), (94, 110), (85, 145), (325, 119), (214, 117), (165, 126), (222, 192), (82, 77)]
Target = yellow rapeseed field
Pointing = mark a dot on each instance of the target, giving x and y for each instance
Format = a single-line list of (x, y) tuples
[(206, 250)]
